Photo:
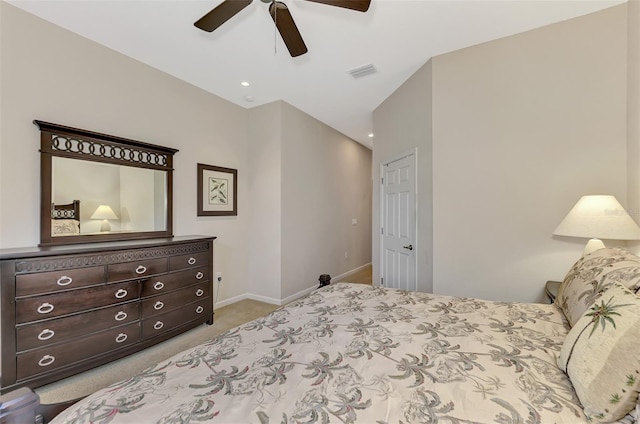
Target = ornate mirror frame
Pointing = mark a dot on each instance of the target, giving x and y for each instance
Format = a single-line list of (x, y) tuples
[(61, 141)]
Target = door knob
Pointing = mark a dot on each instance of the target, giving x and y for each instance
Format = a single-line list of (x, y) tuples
[(410, 247)]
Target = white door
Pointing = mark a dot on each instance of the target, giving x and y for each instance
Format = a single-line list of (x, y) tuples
[(398, 232)]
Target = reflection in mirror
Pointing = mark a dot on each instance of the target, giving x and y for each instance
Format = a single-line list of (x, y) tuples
[(112, 198)]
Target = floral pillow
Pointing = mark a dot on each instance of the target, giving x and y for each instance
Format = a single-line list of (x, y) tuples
[(601, 355), (62, 227), (594, 273)]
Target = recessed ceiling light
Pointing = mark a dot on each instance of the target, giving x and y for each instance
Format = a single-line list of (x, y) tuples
[(370, 135), (244, 84)]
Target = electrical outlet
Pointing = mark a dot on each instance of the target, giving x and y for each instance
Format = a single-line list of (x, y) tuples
[(219, 277)]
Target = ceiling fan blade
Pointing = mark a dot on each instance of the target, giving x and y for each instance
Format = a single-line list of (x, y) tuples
[(359, 5), (287, 27), (221, 14)]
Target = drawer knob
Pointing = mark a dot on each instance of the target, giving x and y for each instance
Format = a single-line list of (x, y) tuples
[(159, 285), (64, 281), (199, 292), (45, 308), (191, 260), (158, 325), (46, 334), (121, 316), (141, 269), (121, 293), (199, 309), (158, 305), (121, 337), (199, 276), (46, 360)]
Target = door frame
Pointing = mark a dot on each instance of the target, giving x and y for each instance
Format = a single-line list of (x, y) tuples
[(414, 153)]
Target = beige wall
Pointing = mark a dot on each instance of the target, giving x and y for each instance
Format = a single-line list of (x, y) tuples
[(403, 123), (265, 249), (521, 128), (633, 112), (53, 75), (326, 183)]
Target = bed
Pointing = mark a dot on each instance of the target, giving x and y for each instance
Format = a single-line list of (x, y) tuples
[(352, 353), (65, 219)]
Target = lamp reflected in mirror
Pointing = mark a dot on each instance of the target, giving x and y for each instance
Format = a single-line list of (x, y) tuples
[(105, 213)]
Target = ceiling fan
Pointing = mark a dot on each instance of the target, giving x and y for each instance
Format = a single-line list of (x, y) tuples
[(279, 13)]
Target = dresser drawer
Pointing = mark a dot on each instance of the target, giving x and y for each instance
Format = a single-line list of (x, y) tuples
[(48, 306), (46, 282), (49, 358), (188, 261), (173, 281), (153, 326), (136, 269), (166, 302), (44, 333)]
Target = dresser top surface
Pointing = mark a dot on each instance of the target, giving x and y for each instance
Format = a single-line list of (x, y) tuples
[(39, 251)]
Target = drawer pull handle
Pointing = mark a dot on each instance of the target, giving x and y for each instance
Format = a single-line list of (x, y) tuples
[(159, 285), (64, 281), (191, 260), (46, 334), (46, 360), (121, 337), (121, 293), (199, 309), (158, 325), (199, 276), (141, 269), (158, 305), (121, 316), (45, 308), (199, 292)]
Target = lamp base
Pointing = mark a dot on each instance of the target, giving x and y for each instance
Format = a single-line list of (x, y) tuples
[(105, 227), (593, 245)]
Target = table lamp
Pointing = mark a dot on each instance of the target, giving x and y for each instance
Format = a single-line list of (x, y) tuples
[(105, 213), (598, 217)]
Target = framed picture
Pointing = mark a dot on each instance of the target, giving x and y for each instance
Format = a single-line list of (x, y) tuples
[(217, 190)]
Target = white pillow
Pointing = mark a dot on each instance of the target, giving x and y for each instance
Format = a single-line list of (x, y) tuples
[(601, 355)]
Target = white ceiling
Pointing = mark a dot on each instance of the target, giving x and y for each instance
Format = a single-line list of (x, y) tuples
[(396, 36)]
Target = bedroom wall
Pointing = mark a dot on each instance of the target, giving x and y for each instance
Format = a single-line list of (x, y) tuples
[(633, 113), (265, 227), (522, 127), (322, 169), (401, 123), (544, 116)]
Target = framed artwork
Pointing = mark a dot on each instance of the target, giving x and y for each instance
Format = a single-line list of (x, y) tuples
[(217, 191)]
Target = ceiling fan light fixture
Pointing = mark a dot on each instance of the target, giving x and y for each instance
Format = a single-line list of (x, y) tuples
[(279, 13)]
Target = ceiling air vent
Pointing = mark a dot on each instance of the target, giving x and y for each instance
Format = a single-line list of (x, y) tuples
[(362, 71)]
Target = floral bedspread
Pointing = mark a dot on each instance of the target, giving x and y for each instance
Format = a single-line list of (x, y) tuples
[(354, 353)]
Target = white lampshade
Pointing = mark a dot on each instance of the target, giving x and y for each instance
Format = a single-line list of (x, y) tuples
[(598, 217), (104, 212)]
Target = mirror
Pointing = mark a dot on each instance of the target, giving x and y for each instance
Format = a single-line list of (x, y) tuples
[(97, 187)]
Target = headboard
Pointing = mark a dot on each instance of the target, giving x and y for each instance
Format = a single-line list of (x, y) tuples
[(68, 211), (65, 219)]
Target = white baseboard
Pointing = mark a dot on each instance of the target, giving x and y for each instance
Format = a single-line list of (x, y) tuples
[(287, 299), (348, 273)]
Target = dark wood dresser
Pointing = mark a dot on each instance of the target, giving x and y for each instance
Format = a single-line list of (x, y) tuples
[(67, 309)]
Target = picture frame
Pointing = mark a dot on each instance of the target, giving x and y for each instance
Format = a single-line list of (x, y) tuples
[(217, 191)]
